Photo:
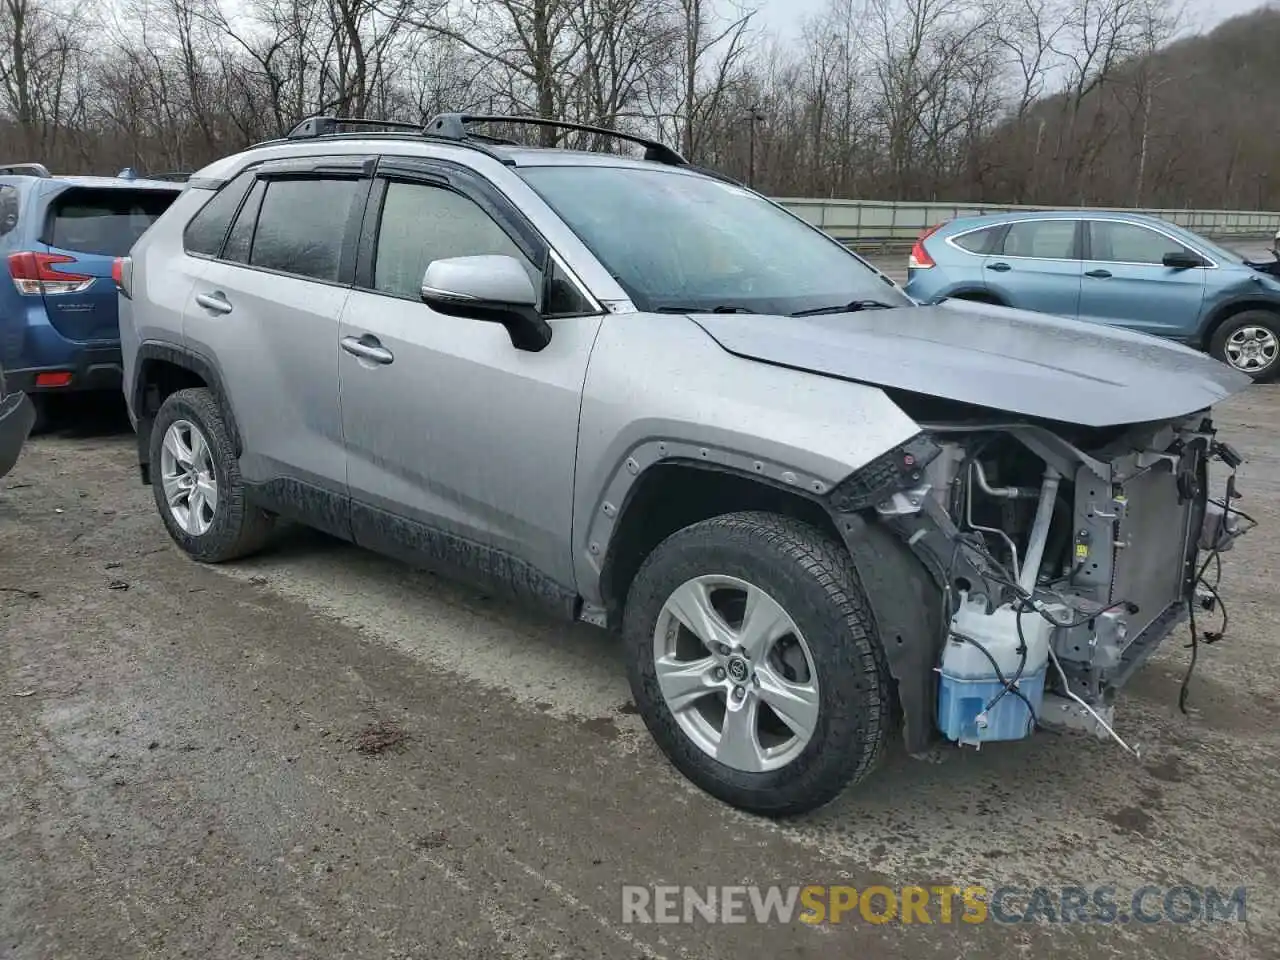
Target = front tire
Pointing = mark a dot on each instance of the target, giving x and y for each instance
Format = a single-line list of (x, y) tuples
[(1250, 343), (754, 662), (197, 484)]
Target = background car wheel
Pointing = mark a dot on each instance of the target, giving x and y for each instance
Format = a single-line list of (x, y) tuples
[(754, 662), (196, 481), (43, 420), (1249, 342)]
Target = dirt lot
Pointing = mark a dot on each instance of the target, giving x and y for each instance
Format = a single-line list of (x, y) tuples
[(192, 764)]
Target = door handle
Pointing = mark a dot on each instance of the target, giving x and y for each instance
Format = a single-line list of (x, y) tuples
[(1099, 274), (1000, 267), (367, 348), (216, 302)]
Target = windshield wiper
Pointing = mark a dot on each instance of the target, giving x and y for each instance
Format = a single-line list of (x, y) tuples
[(853, 307), (722, 308)]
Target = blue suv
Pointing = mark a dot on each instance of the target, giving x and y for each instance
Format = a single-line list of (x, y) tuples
[(59, 237), (1114, 268)]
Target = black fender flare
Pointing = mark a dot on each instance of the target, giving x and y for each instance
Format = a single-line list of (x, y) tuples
[(976, 295), (187, 359), (595, 545)]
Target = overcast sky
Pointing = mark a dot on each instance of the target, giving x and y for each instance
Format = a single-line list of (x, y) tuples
[(782, 17)]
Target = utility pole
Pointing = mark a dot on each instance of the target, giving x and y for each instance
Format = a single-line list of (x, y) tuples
[(752, 119)]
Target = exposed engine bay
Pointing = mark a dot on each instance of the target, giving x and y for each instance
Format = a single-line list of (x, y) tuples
[(1065, 556)]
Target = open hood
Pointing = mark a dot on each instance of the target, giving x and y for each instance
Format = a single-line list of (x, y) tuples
[(1009, 360)]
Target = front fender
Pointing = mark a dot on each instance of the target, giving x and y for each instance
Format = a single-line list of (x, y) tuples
[(1252, 292), (660, 389)]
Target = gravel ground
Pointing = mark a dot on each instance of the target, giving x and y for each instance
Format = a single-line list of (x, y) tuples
[(322, 753)]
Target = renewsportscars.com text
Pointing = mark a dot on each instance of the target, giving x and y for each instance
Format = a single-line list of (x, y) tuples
[(819, 904)]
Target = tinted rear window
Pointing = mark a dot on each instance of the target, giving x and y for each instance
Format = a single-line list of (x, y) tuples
[(104, 221), (205, 233), (978, 241)]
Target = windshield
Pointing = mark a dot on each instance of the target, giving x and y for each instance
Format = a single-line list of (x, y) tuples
[(676, 241)]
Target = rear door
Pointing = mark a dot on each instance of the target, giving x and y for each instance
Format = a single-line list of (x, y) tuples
[(1037, 266), (266, 310), (967, 270), (85, 229), (1126, 283)]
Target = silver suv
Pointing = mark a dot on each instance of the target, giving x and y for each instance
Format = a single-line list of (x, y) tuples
[(643, 396)]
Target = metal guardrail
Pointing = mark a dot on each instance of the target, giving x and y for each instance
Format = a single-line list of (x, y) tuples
[(881, 222)]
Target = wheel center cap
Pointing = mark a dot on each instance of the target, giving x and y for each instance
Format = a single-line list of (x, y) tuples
[(738, 669)]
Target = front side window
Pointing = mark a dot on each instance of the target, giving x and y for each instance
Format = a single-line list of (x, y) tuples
[(1116, 242), (1041, 239), (563, 298), (423, 223), (105, 221), (681, 241), (302, 225)]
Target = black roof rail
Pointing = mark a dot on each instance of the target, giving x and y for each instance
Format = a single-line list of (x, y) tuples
[(453, 126), (174, 176), (716, 175), (26, 170), (314, 128), (323, 126)]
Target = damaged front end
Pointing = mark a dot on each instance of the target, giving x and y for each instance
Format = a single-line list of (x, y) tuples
[(1064, 556)]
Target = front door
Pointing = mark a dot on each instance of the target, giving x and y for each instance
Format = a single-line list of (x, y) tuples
[(1126, 283), (460, 447)]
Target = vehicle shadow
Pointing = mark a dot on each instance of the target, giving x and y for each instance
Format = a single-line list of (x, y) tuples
[(78, 416)]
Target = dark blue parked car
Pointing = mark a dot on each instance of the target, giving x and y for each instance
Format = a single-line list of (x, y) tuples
[(59, 237), (1119, 269)]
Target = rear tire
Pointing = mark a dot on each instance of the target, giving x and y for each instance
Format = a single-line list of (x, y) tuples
[(840, 666), (1249, 342), (43, 421), (231, 528)]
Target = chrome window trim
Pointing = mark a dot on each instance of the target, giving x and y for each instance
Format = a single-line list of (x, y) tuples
[(1210, 263), (1007, 223)]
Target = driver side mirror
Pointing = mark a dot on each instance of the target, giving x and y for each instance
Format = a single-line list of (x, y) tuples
[(1183, 260), (495, 289)]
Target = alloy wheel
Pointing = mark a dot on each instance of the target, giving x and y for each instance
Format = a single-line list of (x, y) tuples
[(1252, 349), (187, 475), (736, 673)]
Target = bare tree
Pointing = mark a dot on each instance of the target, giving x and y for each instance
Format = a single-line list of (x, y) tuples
[(39, 55), (1045, 101)]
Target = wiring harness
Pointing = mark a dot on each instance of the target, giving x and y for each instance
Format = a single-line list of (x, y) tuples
[(1214, 599)]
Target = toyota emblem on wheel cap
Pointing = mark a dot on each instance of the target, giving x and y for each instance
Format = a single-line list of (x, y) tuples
[(737, 669)]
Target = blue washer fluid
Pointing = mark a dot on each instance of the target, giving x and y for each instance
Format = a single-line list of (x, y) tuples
[(967, 680)]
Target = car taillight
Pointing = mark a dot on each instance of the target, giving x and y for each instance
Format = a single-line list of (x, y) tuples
[(35, 273), (122, 274), (919, 258)]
